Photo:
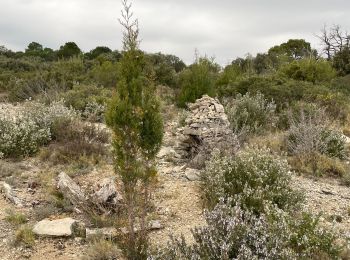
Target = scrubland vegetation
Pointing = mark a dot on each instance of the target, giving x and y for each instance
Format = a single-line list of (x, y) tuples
[(289, 108)]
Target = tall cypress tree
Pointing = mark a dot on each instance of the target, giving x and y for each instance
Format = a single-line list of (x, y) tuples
[(134, 116)]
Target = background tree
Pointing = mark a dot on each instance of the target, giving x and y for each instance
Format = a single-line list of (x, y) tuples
[(5, 51), (133, 114), (34, 49), (69, 50), (295, 49), (197, 80), (341, 61), (94, 53), (333, 40)]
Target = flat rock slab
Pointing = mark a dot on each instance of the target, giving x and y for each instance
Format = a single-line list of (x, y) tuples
[(192, 174), (55, 228)]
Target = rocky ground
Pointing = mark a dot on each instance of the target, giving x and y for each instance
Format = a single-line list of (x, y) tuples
[(176, 199)]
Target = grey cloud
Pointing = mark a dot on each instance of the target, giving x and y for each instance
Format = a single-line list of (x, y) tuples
[(224, 29)]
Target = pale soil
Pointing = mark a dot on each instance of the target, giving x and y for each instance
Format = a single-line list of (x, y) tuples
[(329, 199)]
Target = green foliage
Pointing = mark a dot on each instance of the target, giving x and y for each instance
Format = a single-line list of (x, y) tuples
[(197, 80), (166, 68), (15, 218), (24, 236), (231, 74), (80, 96), (34, 49), (93, 54), (285, 92), (69, 50), (253, 176), (250, 114), (311, 70), (134, 116), (105, 74), (341, 84), (293, 48), (309, 239), (262, 63), (341, 61)]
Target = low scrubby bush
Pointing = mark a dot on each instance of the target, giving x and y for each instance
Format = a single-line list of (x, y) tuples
[(15, 218), (318, 164), (24, 130), (250, 114), (234, 233), (314, 147), (312, 70), (76, 141), (255, 176), (310, 134), (105, 74), (285, 92), (24, 237), (82, 97), (94, 112), (21, 136), (197, 80), (102, 249)]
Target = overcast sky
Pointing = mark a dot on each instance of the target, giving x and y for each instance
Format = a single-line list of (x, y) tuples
[(224, 29)]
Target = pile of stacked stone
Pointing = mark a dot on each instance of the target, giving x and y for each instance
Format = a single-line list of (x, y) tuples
[(206, 128)]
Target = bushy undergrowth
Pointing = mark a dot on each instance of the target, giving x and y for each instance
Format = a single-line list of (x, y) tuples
[(250, 114), (285, 92), (314, 146), (197, 80), (309, 133), (255, 176), (76, 141), (254, 214), (102, 249), (90, 100), (234, 233), (311, 70), (24, 237), (15, 218), (22, 132)]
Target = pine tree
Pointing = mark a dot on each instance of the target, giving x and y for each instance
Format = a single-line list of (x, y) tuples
[(134, 116)]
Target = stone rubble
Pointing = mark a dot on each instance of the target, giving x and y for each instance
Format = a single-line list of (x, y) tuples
[(207, 127)]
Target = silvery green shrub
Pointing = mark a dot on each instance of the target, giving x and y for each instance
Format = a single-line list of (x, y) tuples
[(21, 136), (25, 129), (94, 112), (250, 114), (234, 233), (255, 175)]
